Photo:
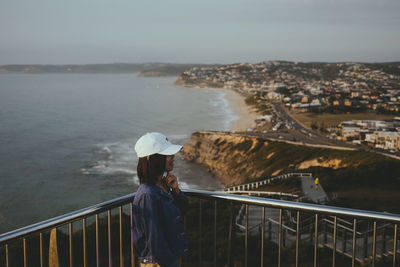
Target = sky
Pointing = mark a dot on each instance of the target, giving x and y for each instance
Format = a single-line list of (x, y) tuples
[(206, 31)]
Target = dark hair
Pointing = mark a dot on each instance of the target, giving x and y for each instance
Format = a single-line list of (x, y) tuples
[(149, 169)]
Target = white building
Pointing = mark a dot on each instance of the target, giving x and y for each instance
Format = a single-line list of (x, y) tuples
[(384, 140)]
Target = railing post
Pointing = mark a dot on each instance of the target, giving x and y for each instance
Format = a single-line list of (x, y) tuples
[(353, 258), (121, 256), (53, 251), (200, 231), (71, 251), (230, 234), (262, 235), (132, 252), (97, 241), (297, 237), (41, 249), (25, 258), (246, 235), (7, 265), (109, 238), (84, 241), (374, 246), (394, 245), (316, 240), (334, 241), (280, 238), (215, 233)]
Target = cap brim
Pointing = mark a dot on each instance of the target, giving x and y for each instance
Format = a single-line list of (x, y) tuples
[(171, 150)]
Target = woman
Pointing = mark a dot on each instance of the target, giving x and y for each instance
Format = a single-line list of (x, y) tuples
[(159, 204)]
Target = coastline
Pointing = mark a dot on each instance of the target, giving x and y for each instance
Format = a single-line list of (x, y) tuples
[(246, 116)]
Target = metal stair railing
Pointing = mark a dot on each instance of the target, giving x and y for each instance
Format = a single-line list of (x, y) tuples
[(257, 184)]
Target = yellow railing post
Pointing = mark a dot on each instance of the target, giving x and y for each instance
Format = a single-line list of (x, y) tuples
[(53, 250)]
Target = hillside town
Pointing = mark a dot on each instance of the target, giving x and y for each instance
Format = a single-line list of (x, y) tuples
[(315, 87), (375, 133)]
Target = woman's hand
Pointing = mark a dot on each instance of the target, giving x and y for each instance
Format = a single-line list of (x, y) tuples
[(172, 182)]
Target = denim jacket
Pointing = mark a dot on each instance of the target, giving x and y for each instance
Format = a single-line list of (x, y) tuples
[(158, 230)]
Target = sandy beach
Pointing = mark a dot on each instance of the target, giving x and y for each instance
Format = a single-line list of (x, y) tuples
[(244, 112)]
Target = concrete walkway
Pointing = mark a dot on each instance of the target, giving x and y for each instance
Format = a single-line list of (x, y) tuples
[(308, 187)]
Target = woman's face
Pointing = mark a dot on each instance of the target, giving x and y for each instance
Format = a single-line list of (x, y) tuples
[(169, 164)]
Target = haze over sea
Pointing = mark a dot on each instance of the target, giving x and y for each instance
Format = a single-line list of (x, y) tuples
[(67, 140)]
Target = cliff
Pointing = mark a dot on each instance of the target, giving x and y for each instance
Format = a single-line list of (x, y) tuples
[(235, 158), (226, 156)]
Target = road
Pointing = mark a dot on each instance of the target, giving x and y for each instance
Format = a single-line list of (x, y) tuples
[(308, 135), (292, 130)]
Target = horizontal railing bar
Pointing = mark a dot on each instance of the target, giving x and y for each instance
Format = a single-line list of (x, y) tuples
[(287, 205), (66, 218), (291, 205)]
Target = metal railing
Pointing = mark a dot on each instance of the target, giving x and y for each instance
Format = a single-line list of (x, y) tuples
[(317, 212), (266, 181)]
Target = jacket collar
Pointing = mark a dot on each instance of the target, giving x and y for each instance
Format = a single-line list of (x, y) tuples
[(154, 189)]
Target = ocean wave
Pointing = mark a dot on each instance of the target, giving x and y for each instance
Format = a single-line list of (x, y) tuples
[(110, 170), (225, 110), (116, 158)]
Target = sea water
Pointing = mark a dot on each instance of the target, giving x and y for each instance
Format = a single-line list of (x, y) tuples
[(67, 140)]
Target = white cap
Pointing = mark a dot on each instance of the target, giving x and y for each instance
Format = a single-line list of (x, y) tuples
[(155, 143)]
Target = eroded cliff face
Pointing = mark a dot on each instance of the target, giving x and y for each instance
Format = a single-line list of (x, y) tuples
[(226, 156), (333, 164), (235, 159)]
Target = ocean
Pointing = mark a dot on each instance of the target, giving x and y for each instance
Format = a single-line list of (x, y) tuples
[(67, 140)]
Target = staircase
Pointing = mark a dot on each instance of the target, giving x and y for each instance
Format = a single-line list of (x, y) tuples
[(344, 238)]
